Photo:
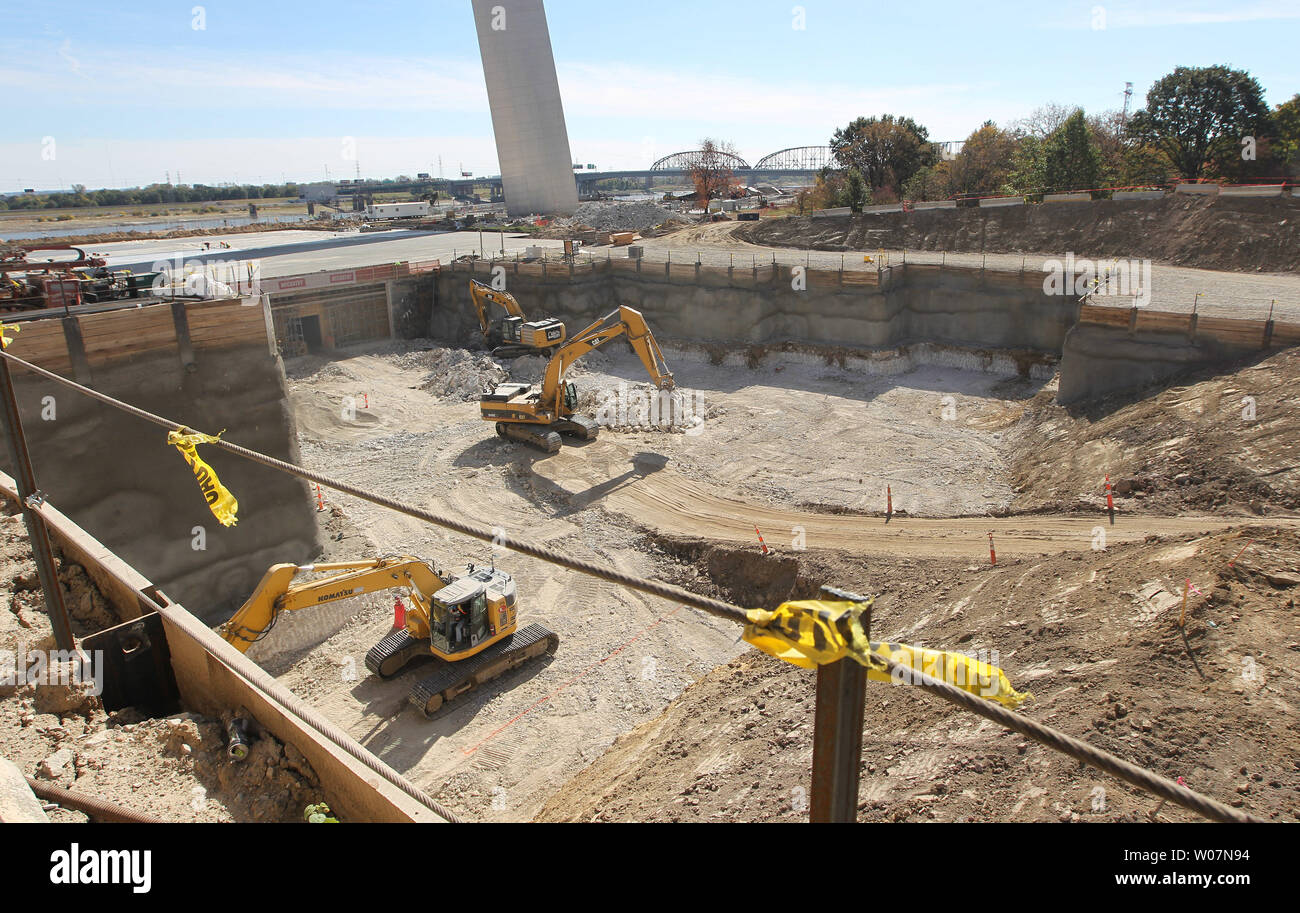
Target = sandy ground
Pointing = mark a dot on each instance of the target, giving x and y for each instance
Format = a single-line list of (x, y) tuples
[(498, 753), (1096, 640)]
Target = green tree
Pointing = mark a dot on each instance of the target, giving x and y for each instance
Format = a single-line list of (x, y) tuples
[(886, 151), (1286, 134), (933, 183), (1028, 167), (1199, 114), (1070, 157)]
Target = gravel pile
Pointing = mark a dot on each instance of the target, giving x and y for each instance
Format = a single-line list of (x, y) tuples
[(623, 216), (459, 375)]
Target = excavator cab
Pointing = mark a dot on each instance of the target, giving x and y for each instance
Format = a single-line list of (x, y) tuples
[(466, 622), (570, 396), (472, 609)]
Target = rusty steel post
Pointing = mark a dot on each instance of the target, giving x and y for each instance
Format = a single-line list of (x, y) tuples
[(837, 735), (29, 495)]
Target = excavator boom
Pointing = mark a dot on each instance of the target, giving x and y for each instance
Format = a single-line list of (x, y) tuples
[(539, 416), (623, 322)]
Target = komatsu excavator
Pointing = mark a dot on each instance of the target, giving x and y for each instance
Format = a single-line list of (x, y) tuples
[(512, 336), (541, 416), (466, 622)]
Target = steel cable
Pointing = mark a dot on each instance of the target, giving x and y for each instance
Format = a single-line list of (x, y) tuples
[(1059, 741)]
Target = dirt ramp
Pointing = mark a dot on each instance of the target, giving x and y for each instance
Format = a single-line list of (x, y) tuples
[(1096, 640)]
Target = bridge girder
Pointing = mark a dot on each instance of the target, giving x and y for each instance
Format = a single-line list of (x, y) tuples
[(684, 161), (797, 158)]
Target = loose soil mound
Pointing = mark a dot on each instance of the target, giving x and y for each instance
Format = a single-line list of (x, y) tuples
[(1225, 234), (1096, 639), (1225, 443)]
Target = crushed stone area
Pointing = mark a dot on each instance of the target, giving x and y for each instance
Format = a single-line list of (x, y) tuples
[(621, 216)]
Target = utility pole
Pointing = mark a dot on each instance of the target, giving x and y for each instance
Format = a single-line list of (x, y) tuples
[(1128, 100)]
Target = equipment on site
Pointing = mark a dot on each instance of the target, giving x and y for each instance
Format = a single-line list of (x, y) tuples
[(31, 284), (539, 416), (512, 336), (465, 622)]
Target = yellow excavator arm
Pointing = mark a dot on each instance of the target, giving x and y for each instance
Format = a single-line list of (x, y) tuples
[(623, 322), (278, 593), (482, 295)]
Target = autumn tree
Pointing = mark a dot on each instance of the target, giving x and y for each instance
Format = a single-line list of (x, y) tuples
[(1196, 115), (711, 173), (932, 183), (984, 163), (1286, 133)]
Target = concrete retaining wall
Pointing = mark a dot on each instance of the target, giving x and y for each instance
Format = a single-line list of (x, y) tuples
[(116, 476), (1119, 349), (1098, 360), (903, 305)]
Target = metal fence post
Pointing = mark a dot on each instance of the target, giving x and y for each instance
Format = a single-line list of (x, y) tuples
[(837, 734)]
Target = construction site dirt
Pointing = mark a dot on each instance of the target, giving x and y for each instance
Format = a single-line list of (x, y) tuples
[(884, 484)]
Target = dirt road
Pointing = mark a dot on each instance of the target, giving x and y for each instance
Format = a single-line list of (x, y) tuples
[(657, 498)]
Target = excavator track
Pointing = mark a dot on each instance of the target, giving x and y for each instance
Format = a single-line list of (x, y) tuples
[(516, 351), (454, 679), (539, 436), (395, 652), (578, 427)]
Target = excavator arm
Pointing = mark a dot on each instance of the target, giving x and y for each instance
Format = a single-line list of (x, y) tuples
[(482, 295), (623, 322), (278, 593)]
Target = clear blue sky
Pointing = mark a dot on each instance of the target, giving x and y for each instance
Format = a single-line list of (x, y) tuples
[(117, 96)]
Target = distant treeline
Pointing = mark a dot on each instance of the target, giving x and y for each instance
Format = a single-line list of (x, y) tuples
[(153, 195)]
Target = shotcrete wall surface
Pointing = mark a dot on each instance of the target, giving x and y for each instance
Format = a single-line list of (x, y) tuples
[(116, 476), (969, 308), (1098, 360)]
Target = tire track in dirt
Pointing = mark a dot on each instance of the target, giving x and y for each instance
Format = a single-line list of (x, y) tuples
[(665, 502)]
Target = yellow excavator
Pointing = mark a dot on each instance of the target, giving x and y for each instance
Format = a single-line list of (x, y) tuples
[(543, 416), (513, 335), (465, 622)]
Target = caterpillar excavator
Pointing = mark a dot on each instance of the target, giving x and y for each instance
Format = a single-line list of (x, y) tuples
[(512, 336), (543, 416), (465, 622)]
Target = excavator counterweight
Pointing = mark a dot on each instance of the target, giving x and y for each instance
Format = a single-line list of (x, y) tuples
[(513, 335)]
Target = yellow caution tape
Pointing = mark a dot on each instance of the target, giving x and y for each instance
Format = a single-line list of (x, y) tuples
[(814, 633), (8, 328), (220, 501)]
